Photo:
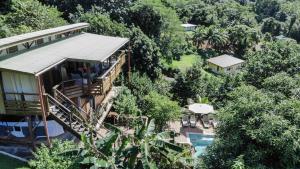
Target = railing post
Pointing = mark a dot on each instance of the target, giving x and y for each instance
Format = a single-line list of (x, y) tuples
[(71, 116)]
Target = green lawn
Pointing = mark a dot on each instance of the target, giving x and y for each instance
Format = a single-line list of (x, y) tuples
[(185, 62), (11, 163)]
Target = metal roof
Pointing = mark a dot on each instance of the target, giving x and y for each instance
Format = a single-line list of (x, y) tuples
[(84, 47), (187, 25), (14, 40), (225, 60)]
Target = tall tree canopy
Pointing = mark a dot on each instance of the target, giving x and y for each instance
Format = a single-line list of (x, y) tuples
[(29, 15)]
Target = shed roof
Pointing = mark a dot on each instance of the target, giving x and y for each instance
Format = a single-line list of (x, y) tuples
[(85, 46), (7, 42), (187, 25), (225, 60)]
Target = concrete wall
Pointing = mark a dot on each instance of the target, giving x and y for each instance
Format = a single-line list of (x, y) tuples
[(227, 70)]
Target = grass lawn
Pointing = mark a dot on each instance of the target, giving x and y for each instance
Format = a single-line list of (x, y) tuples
[(11, 163), (185, 62)]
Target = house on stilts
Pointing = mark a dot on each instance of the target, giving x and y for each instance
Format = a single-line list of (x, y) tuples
[(57, 80)]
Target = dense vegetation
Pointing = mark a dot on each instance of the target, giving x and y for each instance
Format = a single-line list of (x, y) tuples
[(259, 108)]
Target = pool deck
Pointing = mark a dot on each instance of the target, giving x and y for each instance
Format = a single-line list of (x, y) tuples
[(183, 137)]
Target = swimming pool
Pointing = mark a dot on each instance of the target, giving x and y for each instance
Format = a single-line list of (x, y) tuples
[(200, 142)]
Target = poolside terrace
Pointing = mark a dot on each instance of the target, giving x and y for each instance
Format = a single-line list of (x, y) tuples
[(182, 138)]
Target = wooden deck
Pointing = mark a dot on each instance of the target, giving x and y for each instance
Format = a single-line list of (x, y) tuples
[(105, 82)]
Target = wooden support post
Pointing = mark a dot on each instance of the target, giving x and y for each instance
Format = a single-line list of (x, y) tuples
[(31, 134), (88, 75), (129, 64), (44, 111)]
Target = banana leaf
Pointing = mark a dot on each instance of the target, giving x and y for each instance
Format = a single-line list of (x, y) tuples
[(166, 145), (145, 157), (105, 145), (150, 127)]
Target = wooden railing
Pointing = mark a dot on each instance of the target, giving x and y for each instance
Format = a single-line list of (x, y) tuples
[(70, 88), (70, 112), (21, 105), (69, 104), (104, 83)]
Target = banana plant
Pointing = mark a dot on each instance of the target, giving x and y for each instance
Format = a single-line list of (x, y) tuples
[(145, 149)]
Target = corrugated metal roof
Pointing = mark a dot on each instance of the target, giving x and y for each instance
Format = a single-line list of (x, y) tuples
[(7, 42), (85, 46), (225, 60), (187, 25)]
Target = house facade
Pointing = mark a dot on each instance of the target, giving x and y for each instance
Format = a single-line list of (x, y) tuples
[(225, 64), (57, 80)]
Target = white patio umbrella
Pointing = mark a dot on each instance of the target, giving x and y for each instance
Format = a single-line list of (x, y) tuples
[(202, 109)]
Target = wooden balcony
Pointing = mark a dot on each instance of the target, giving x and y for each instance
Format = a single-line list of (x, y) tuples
[(105, 82), (24, 105)]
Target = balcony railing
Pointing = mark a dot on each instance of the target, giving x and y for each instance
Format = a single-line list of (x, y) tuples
[(104, 83), (22, 104)]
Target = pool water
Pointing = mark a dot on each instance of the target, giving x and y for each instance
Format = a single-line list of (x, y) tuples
[(200, 142)]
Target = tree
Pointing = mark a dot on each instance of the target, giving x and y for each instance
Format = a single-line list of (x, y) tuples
[(217, 38), (279, 56), (117, 10), (100, 23), (161, 23), (189, 84), (280, 83), (145, 54), (31, 15), (242, 38), (126, 103), (266, 8), (200, 36), (252, 127), (273, 26), (49, 158), (160, 108)]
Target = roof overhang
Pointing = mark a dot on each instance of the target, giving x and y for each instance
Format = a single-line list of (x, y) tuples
[(27, 37), (84, 47)]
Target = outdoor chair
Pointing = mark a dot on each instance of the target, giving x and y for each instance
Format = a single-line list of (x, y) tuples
[(185, 121), (193, 121), (205, 121)]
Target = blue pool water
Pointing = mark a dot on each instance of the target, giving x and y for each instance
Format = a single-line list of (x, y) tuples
[(200, 142)]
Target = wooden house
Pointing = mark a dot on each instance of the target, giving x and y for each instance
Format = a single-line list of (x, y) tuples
[(59, 76)]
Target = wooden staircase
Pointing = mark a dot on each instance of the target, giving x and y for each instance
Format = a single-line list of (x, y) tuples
[(66, 113)]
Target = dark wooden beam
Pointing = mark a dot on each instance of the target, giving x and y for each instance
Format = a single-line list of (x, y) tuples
[(44, 111)]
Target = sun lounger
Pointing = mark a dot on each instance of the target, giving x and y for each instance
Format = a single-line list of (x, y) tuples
[(205, 121), (213, 122), (193, 121), (185, 121)]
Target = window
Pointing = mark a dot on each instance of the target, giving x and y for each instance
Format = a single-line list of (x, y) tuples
[(17, 128), (12, 49), (58, 36), (39, 41)]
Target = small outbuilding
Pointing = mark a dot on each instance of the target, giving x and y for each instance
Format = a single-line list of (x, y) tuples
[(189, 27), (225, 64)]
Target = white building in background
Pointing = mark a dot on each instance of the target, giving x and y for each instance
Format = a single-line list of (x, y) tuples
[(189, 27), (225, 64)]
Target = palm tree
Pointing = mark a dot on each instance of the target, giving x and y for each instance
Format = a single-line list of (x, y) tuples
[(200, 36), (217, 38)]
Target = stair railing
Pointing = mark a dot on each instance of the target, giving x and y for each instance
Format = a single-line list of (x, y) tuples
[(59, 96), (63, 109)]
